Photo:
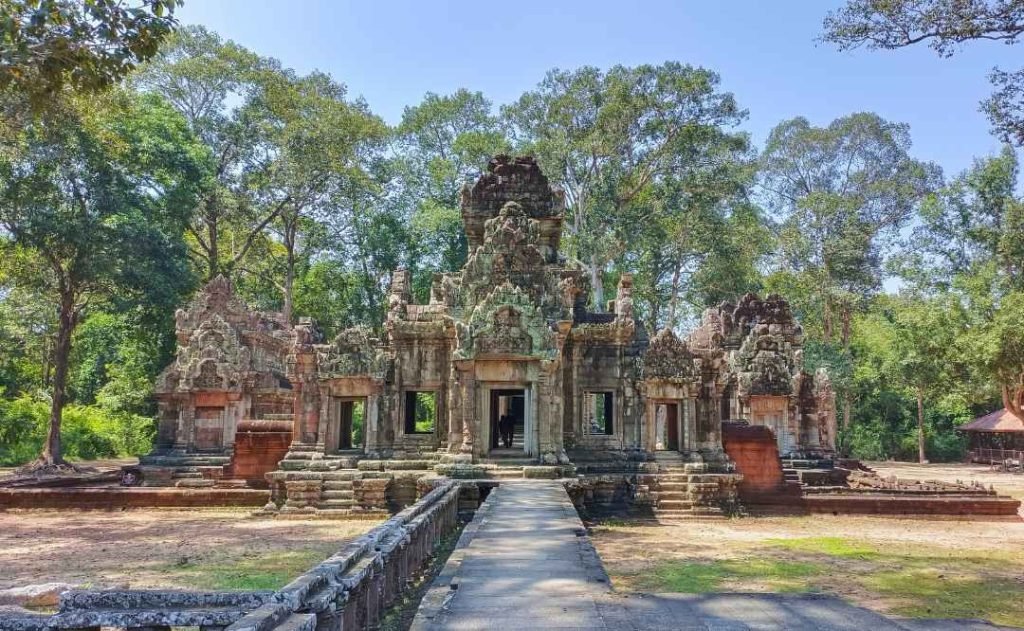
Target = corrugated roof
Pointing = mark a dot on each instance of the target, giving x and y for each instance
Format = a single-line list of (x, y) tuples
[(999, 421)]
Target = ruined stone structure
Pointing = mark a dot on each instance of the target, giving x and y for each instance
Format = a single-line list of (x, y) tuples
[(229, 369), (507, 337)]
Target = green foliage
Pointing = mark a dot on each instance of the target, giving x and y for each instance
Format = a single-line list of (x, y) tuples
[(425, 418), (650, 171), (94, 199), (89, 431), (442, 143), (47, 44), (945, 25)]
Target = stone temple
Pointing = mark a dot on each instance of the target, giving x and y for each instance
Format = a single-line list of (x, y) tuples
[(353, 423)]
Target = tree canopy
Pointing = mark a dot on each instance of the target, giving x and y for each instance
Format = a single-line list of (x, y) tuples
[(87, 45), (945, 25)]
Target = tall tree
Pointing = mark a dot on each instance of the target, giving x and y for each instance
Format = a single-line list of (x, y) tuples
[(47, 44), (924, 347), (945, 25), (94, 195), (970, 242), (318, 147), (608, 137), (214, 85), (840, 194), (441, 144)]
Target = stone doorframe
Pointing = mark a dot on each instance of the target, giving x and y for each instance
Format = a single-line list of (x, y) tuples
[(329, 431), (530, 415), (686, 426)]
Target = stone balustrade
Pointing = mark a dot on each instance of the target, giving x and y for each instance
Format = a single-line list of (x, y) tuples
[(347, 591)]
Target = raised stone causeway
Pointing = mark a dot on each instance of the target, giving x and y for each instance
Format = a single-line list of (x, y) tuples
[(525, 562)]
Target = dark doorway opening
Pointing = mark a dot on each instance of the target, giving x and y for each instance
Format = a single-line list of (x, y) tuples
[(352, 422), (510, 404)]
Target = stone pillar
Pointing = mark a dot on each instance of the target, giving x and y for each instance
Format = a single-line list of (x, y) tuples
[(302, 371), (371, 424), (187, 428), (689, 435), (470, 417), (455, 411), (183, 427)]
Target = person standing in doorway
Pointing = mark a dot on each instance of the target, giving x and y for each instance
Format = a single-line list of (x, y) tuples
[(505, 430)]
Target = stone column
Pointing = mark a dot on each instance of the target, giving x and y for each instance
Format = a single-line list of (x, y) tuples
[(455, 410), (302, 372), (469, 405), (183, 426)]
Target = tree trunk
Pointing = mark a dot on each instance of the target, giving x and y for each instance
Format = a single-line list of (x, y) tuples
[(289, 288), (826, 320), (673, 303), (213, 265), (1012, 396), (291, 228), (597, 282), (920, 427), (845, 333), (52, 453)]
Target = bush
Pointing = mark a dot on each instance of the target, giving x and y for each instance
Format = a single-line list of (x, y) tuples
[(88, 431)]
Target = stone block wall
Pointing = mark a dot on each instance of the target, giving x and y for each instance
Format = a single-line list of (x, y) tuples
[(259, 446)]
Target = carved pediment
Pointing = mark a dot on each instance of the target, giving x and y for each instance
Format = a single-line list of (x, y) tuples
[(354, 352), (212, 358), (506, 322), (766, 364), (670, 358), (509, 254), (505, 336)]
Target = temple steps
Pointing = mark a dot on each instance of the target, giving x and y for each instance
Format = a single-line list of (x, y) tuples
[(340, 476), (329, 504), (337, 494), (689, 513), (184, 461), (337, 490)]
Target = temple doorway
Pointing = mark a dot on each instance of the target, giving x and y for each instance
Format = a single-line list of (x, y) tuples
[(351, 424), (511, 404), (667, 426)]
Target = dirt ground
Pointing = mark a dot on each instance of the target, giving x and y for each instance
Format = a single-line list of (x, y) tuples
[(209, 549), (914, 567), (105, 464)]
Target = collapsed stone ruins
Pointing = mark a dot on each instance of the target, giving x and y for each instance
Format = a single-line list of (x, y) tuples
[(351, 422)]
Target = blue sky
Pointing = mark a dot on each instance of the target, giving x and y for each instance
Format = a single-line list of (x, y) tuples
[(391, 53)]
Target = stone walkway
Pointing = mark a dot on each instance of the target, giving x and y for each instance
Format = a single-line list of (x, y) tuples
[(525, 563)]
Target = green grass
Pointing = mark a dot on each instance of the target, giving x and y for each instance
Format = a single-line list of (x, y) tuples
[(925, 581), (830, 546), (266, 571), (921, 581), (930, 593), (697, 578)]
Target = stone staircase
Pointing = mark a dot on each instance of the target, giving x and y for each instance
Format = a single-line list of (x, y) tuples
[(337, 493), (684, 489), (186, 470)]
